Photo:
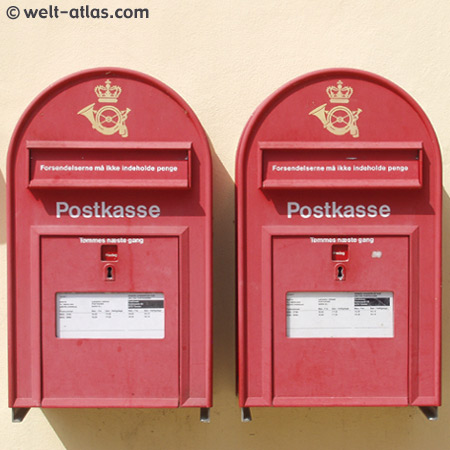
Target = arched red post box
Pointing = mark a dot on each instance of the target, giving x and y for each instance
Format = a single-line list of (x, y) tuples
[(339, 247), (109, 240)]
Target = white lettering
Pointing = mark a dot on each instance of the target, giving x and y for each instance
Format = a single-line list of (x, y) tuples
[(61, 207), (318, 212), (167, 169), (135, 240), (154, 211), (87, 212), (130, 211), (75, 212), (118, 211), (141, 211), (337, 210), (292, 208), (103, 210), (307, 214), (397, 168), (360, 211), (385, 211), (333, 210), (349, 211), (106, 210), (372, 211)]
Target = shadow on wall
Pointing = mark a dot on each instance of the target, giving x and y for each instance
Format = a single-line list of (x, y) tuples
[(272, 428)]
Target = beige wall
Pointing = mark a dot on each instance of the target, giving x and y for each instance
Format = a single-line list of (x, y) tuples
[(224, 57)]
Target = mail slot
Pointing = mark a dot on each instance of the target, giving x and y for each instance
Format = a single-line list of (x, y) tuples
[(109, 239), (339, 247)]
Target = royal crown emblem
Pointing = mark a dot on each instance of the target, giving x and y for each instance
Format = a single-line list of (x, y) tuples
[(108, 94), (108, 119), (340, 119), (339, 94)]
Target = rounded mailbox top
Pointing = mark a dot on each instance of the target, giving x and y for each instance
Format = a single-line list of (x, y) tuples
[(336, 106), (109, 104)]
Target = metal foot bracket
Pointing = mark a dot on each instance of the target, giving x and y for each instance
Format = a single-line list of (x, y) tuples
[(18, 414), (431, 412), (246, 415), (204, 415)]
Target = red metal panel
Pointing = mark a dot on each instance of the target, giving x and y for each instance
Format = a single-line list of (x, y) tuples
[(93, 372), (339, 153), (109, 154), (340, 371)]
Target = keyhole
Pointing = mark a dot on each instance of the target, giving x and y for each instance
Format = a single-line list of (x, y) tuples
[(109, 273), (340, 273)]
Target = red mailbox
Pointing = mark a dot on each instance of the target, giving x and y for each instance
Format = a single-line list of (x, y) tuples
[(109, 236), (339, 247)]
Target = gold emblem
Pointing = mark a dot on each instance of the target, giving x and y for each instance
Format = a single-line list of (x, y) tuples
[(108, 119), (340, 119)]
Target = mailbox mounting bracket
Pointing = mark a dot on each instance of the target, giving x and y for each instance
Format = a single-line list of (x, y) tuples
[(431, 412), (204, 415), (246, 415), (18, 414)]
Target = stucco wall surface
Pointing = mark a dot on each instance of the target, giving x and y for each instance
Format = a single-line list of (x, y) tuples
[(224, 57)]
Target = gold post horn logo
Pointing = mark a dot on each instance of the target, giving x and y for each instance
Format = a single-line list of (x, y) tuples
[(108, 119), (339, 120)]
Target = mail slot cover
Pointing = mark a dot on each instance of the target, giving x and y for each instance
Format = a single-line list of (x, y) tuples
[(102, 165), (341, 165)]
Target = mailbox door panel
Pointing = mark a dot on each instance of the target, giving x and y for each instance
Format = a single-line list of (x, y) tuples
[(340, 332), (110, 321)]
